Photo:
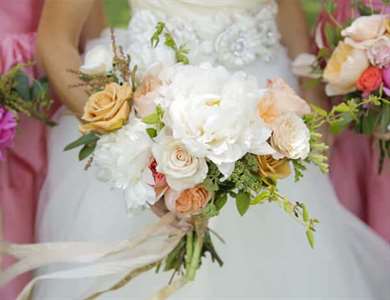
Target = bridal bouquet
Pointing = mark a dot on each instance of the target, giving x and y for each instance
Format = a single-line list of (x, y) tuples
[(354, 63), (19, 96), (181, 140)]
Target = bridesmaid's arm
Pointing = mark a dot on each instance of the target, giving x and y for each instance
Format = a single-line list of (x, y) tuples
[(296, 37), (64, 28)]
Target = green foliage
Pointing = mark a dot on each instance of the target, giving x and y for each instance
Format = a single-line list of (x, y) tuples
[(155, 120), (243, 202), (181, 52), (88, 143)]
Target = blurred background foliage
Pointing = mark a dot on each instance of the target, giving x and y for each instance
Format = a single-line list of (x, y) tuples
[(118, 13)]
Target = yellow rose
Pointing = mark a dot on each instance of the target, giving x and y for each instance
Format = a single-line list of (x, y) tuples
[(344, 68), (107, 110), (278, 99), (273, 168)]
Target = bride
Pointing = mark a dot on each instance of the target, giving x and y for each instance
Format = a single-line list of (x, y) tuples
[(266, 255)]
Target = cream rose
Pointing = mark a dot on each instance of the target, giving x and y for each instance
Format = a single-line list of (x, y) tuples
[(188, 202), (107, 110), (291, 137), (98, 60), (181, 169), (278, 99), (145, 94), (364, 31), (344, 68)]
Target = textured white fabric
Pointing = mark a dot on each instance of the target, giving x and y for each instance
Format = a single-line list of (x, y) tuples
[(266, 255)]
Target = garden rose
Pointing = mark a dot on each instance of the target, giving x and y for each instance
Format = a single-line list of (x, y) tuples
[(188, 202), (273, 168), (279, 99), (145, 94), (7, 129), (344, 69), (181, 169), (379, 52), (291, 137), (364, 31), (107, 110), (370, 80)]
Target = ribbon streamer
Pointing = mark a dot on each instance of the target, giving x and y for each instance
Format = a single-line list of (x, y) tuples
[(150, 247)]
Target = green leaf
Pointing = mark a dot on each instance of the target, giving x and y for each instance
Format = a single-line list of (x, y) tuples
[(319, 110), (306, 216), (152, 119), (83, 140), (220, 201), (38, 90), (310, 238), (151, 132), (155, 40), (369, 122), (242, 202), (22, 86), (260, 198), (87, 150), (340, 124), (342, 108)]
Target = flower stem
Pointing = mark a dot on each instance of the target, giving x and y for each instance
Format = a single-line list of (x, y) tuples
[(189, 248), (195, 260)]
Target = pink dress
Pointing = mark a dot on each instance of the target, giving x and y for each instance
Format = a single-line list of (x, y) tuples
[(22, 172), (354, 172)]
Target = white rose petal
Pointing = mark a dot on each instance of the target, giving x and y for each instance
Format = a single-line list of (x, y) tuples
[(304, 64), (291, 137), (181, 169)]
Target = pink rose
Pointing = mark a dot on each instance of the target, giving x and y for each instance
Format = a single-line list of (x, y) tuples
[(379, 53), (7, 130), (386, 80)]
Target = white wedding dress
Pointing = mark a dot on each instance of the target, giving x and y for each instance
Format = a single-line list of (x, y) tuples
[(266, 253)]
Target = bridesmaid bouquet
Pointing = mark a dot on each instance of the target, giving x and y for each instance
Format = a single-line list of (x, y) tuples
[(181, 140), (19, 96), (354, 63)]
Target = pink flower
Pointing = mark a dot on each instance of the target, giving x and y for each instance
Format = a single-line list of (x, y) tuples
[(379, 53), (159, 178), (7, 130), (386, 80)]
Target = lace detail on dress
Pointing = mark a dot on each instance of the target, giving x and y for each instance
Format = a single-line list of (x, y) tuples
[(232, 38)]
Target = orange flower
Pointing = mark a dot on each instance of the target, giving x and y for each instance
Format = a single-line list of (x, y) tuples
[(107, 110), (187, 202), (370, 80), (273, 168)]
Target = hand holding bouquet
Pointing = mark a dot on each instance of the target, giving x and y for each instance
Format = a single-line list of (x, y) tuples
[(354, 63)]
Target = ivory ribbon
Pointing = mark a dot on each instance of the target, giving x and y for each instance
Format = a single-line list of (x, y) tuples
[(103, 259)]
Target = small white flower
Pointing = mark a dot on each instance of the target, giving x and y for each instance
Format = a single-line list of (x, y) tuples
[(122, 159), (181, 169), (291, 137), (98, 60)]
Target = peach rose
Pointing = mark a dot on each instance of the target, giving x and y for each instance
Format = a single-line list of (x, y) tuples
[(187, 202), (143, 96), (107, 110), (279, 99), (364, 31), (344, 68)]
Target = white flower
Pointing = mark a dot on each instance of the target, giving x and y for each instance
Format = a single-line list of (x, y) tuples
[(98, 60), (304, 65), (122, 159), (291, 137), (238, 44), (213, 113), (181, 169)]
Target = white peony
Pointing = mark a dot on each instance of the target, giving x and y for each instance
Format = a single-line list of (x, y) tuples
[(181, 169), (122, 159), (291, 137), (213, 113), (97, 60)]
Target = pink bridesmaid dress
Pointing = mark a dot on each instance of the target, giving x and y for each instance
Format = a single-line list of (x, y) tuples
[(354, 165), (23, 170)]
